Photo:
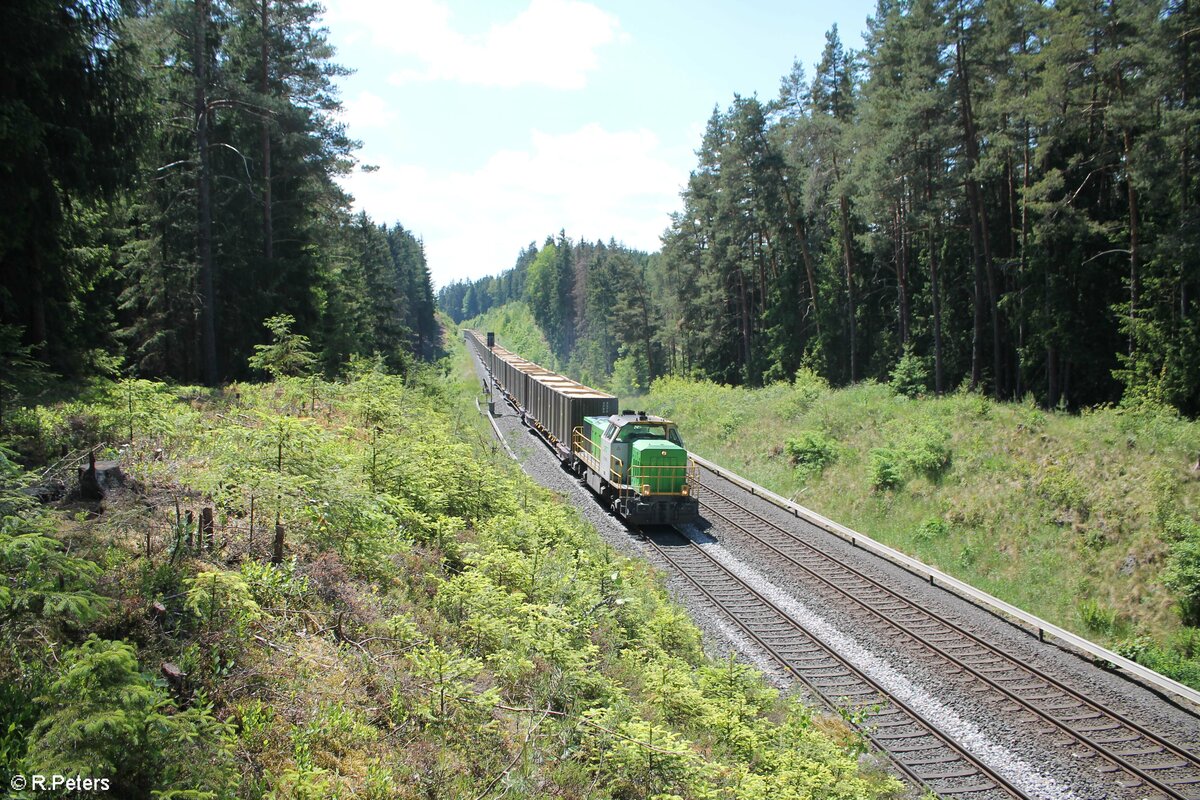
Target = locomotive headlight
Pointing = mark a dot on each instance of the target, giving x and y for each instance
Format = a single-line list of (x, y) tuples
[(663, 453), (685, 491), (645, 488)]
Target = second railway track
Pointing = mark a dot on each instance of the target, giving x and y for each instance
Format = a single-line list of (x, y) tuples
[(920, 750), (1146, 759)]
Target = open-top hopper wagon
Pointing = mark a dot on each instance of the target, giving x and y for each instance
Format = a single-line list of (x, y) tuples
[(634, 462)]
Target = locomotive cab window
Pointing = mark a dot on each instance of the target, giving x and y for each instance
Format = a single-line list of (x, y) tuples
[(611, 431), (634, 432)]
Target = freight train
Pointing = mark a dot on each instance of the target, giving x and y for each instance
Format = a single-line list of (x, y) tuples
[(635, 462)]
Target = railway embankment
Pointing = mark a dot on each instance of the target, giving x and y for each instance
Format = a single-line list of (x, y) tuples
[(1049, 722), (1088, 520)]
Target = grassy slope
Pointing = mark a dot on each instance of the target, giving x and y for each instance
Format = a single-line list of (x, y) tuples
[(446, 628), (516, 331), (1057, 513)]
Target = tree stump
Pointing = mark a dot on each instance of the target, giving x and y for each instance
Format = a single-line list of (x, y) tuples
[(277, 549), (99, 478), (174, 675), (177, 680), (206, 529)]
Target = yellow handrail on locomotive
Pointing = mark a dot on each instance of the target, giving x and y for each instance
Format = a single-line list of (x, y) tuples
[(584, 453), (616, 475), (646, 476)]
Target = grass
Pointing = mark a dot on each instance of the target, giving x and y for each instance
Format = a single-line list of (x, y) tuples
[(515, 331), (1060, 514)]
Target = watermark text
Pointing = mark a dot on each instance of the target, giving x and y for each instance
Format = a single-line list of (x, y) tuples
[(58, 783)]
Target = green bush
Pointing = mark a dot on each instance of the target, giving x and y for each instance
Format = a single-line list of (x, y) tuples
[(105, 718), (39, 580), (910, 377), (886, 470), (1097, 617), (1177, 661), (1183, 575), (926, 451), (931, 529), (811, 452), (220, 600), (288, 353)]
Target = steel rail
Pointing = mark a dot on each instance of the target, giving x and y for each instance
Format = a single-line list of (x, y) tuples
[(999, 782), (956, 586), (1116, 759)]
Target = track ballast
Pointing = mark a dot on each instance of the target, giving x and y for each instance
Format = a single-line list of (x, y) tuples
[(1146, 759), (919, 750)]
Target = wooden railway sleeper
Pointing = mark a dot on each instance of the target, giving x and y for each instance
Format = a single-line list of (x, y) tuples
[(957, 773), (973, 788)]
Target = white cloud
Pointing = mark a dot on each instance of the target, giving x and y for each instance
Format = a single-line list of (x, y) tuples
[(593, 183), (551, 43), (366, 111)]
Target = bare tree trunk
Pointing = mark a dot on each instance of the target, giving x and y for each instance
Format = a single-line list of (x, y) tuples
[(264, 88), (208, 299), (802, 235), (1185, 157), (979, 236), (848, 261), (1133, 240), (976, 299), (744, 301), (1052, 383), (936, 292), (38, 331), (207, 537), (902, 270), (935, 289)]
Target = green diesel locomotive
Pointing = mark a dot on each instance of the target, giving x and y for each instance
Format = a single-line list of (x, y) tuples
[(634, 462)]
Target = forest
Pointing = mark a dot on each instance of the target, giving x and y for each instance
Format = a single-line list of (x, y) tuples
[(326, 583), (1001, 196), (169, 184)]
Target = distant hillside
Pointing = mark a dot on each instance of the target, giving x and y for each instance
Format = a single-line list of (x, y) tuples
[(515, 330)]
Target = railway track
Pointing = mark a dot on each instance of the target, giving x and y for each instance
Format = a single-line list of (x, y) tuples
[(1034, 697), (918, 749)]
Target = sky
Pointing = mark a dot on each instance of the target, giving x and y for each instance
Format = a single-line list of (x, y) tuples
[(489, 125)]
